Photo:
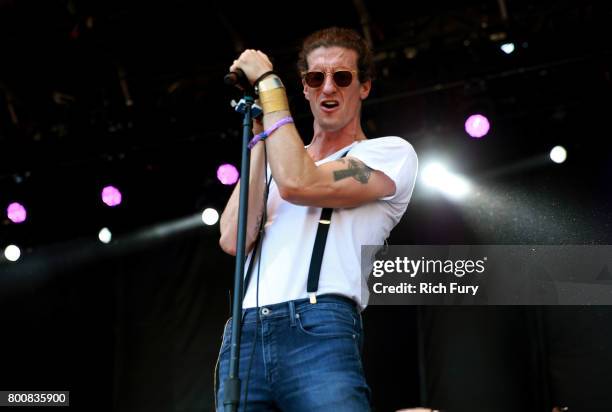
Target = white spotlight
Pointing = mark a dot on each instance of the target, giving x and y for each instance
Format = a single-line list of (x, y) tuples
[(433, 174), (438, 177), (210, 216), (558, 154), (507, 48), (12, 253), (105, 235), (456, 187)]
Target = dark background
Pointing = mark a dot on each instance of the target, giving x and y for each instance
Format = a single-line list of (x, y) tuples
[(136, 325)]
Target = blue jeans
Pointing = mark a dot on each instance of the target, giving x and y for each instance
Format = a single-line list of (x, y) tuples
[(306, 357)]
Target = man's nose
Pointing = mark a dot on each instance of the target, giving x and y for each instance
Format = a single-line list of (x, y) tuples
[(329, 86)]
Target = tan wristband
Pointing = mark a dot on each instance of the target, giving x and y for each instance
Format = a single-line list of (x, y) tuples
[(274, 100)]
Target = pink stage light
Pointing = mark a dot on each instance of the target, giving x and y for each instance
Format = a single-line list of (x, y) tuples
[(227, 174), (477, 126), (16, 213), (111, 196)]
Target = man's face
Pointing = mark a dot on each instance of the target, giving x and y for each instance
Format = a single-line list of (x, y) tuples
[(334, 107)]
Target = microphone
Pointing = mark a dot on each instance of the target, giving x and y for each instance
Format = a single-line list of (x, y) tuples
[(238, 79)]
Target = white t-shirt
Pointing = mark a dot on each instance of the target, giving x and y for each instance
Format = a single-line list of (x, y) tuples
[(290, 230)]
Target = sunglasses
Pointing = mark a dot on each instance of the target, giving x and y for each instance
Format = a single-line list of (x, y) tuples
[(342, 78)]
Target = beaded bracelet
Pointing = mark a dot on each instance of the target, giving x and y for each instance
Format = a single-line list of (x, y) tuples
[(266, 133)]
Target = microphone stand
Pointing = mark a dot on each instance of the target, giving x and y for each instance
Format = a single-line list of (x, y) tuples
[(231, 397)]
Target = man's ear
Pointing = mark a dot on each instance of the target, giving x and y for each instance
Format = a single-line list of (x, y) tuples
[(305, 89), (364, 89)]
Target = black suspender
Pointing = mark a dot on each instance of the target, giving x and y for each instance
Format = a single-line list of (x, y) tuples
[(314, 271), (317, 253)]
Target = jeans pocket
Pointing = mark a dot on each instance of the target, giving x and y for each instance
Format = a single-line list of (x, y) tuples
[(328, 322)]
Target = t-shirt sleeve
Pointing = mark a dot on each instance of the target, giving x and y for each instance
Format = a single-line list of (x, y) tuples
[(396, 158)]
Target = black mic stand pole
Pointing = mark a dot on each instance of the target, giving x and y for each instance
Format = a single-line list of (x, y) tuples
[(232, 383)]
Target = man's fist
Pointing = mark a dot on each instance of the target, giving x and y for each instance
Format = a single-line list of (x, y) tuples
[(253, 63)]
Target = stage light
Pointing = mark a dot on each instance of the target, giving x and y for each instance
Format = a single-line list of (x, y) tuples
[(439, 178), (227, 174), (210, 216), (507, 48), (477, 126), (12, 253), (105, 235), (111, 196), (433, 174), (558, 154), (16, 213)]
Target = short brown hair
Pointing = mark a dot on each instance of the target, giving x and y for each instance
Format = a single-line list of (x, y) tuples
[(339, 37)]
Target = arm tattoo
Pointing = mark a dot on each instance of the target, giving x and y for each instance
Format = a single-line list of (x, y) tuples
[(355, 169)]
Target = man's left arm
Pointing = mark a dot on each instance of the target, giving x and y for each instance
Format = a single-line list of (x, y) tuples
[(346, 182)]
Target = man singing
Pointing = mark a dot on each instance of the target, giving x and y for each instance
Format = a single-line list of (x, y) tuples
[(301, 322)]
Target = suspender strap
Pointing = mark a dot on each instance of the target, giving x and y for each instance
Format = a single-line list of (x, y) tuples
[(317, 254), (314, 271)]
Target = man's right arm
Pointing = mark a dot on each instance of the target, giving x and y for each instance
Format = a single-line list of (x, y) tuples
[(229, 218)]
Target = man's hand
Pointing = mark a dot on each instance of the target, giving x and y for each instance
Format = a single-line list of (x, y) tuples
[(253, 63)]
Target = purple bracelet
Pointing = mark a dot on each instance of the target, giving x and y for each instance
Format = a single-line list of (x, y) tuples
[(266, 133)]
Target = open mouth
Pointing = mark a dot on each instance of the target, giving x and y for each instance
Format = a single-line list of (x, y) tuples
[(329, 105)]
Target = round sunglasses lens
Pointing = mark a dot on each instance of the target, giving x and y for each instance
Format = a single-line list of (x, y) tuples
[(314, 79), (343, 78)]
